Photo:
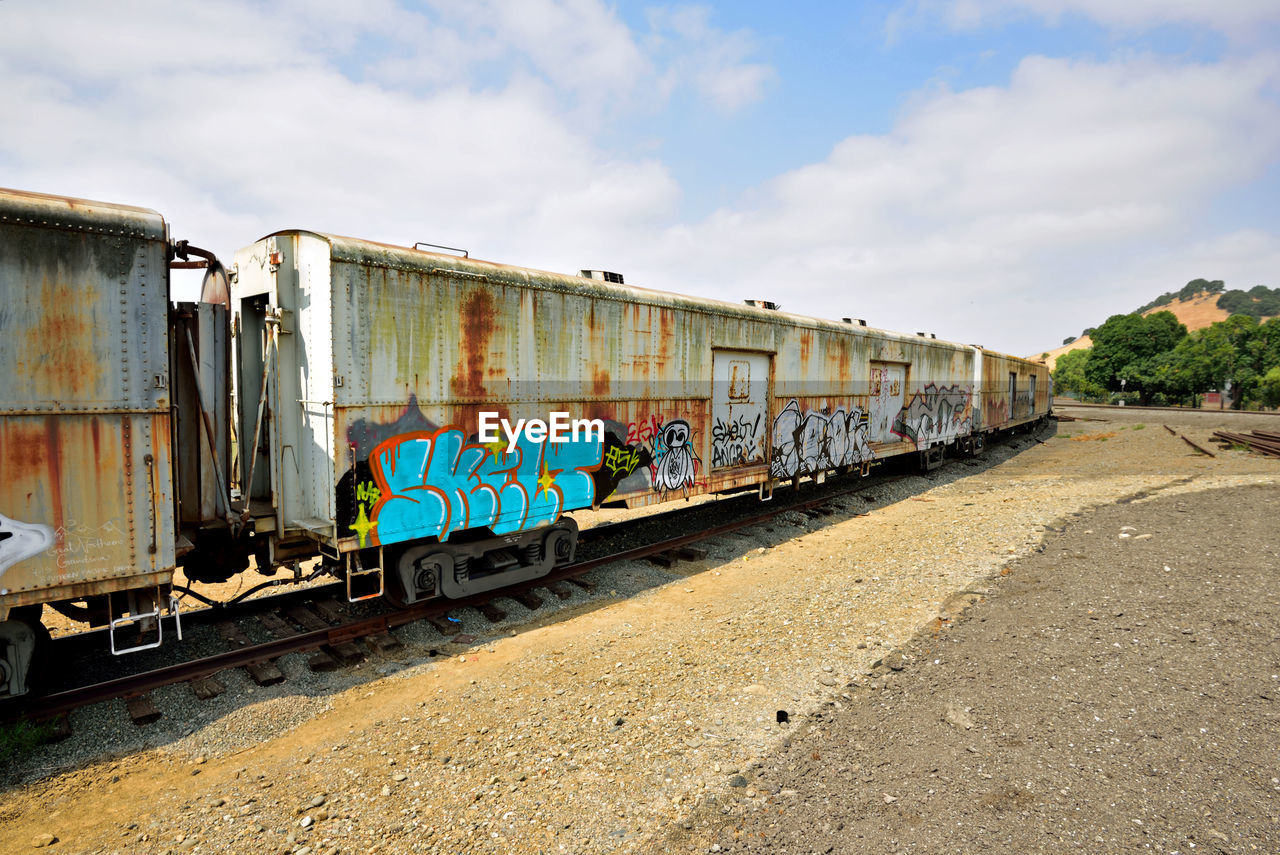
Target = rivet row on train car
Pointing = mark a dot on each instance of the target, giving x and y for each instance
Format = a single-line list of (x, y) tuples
[(324, 400)]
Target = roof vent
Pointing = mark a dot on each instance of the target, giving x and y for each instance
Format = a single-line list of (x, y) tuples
[(859, 321), (933, 335), (465, 253), (922, 335), (604, 276), (763, 304)]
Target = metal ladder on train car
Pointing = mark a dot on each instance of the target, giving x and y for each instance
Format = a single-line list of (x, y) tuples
[(140, 619), (356, 569)]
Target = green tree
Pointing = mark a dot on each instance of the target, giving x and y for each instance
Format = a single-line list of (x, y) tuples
[(1259, 301), (1127, 353), (1069, 376), (1269, 388), (1190, 369), (1239, 350), (1191, 289)]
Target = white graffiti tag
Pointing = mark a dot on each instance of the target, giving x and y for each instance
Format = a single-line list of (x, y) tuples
[(19, 540)]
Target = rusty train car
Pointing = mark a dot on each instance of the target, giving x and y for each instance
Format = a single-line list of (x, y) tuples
[(422, 422)]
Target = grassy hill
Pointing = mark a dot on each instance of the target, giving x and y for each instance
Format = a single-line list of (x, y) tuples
[(1197, 312)]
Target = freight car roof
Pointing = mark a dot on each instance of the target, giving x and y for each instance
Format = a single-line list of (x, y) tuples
[(66, 212), (372, 253)]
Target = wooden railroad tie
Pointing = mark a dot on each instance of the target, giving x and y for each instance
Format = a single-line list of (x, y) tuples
[(265, 672), (57, 728), (280, 628), (141, 709), (383, 642), (206, 688), (528, 599), (560, 590), (492, 613), (443, 625)]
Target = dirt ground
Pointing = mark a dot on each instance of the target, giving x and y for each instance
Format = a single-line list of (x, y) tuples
[(645, 718), (1112, 693)]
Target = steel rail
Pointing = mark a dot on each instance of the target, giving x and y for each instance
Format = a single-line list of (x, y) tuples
[(50, 706)]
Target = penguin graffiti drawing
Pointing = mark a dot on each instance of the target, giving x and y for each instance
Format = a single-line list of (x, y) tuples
[(675, 462)]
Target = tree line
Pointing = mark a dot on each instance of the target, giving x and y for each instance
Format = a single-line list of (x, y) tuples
[(1152, 360)]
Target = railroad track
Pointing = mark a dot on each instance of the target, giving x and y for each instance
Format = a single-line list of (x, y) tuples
[(1065, 403), (314, 622)]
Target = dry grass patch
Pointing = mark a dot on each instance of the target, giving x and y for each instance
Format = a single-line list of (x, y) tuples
[(1101, 437)]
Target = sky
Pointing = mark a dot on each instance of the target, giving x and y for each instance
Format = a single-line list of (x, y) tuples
[(999, 172)]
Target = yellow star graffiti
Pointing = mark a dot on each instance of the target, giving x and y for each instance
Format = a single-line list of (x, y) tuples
[(546, 480), (498, 448), (362, 526)]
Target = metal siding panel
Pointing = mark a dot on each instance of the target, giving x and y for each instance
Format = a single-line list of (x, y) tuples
[(302, 392), (85, 456), (423, 342), (938, 408), (739, 409), (316, 330)]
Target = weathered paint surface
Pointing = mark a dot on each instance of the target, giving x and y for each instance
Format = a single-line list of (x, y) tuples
[(999, 407), (739, 409), (675, 463), (422, 343), (85, 441), (813, 441)]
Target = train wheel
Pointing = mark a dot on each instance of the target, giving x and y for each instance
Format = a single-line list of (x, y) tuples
[(393, 591), (24, 652), (559, 547), (414, 574)]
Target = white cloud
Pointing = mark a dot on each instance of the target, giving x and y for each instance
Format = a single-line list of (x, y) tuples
[(1241, 19), (246, 119), (979, 200), (716, 63), (981, 213)]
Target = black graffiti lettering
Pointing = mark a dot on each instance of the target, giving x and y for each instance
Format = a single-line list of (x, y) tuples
[(736, 442), (815, 442), (936, 414)]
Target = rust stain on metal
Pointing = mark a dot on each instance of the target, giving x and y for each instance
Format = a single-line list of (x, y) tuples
[(599, 381), (666, 330), (839, 359), (61, 344), (53, 449), (806, 346), (26, 450), (477, 330), (467, 416)]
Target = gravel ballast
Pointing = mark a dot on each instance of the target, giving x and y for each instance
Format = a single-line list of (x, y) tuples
[(1118, 692), (609, 722)]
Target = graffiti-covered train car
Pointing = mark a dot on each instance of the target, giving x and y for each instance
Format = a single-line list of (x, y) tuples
[(435, 416), (421, 422), (1011, 391)]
